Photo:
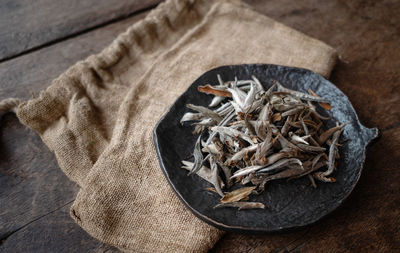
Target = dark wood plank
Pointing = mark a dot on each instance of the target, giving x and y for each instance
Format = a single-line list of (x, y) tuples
[(55, 232), (31, 183), (26, 24), (368, 221), (366, 34), (22, 76), (28, 192)]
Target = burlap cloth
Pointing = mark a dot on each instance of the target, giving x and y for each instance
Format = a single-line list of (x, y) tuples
[(98, 116)]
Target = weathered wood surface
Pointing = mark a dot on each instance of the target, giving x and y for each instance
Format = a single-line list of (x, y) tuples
[(367, 35), (26, 24), (31, 73), (35, 194), (35, 197), (46, 236), (33, 188)]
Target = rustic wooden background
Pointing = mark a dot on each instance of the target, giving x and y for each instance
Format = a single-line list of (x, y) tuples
[(40, 39)]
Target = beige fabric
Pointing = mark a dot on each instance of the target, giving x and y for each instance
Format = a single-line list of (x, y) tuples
[(98, 116)]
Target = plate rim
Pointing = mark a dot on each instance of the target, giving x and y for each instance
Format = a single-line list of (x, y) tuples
[(373, 134)]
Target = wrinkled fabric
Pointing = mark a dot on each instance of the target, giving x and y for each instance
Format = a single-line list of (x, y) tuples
[(98, 116)]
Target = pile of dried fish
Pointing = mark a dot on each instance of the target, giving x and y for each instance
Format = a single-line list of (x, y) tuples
[(254, 136)]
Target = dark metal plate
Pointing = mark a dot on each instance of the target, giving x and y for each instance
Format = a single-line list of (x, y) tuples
[(290, 204)]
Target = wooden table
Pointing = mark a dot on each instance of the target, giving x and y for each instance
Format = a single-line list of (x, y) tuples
[(40, 39)]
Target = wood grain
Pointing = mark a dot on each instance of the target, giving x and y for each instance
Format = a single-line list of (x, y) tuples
[(32, 185), (366, 34), (367, 222), (27, 74), (55, 232), (26, 24), (35, 194)]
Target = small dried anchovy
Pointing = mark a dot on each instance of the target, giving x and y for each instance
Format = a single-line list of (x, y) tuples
[(249, 136)]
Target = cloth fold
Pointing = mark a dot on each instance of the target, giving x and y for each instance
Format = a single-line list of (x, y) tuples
[(98, 116)]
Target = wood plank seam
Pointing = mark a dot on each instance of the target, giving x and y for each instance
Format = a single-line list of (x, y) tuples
[(76, 34), (5, 236)]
